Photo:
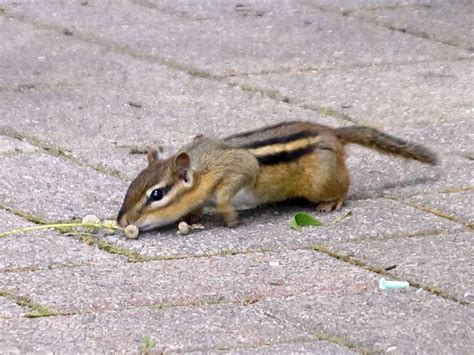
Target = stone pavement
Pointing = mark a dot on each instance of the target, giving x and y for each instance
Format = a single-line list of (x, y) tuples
[(83, 84)]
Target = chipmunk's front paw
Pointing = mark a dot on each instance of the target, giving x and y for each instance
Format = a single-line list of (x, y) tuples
[(232, 223), (228, 214)]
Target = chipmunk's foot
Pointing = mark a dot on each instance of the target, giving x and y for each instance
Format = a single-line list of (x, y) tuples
[(232, 223), (228, 214), (330, 206)]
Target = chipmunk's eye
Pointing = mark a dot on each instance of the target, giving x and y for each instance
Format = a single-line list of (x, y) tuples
[(156, 195)]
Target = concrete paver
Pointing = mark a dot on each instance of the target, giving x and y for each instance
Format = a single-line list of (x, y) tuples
[(10, 221), (176, 329), (361, 4), (384, 321), (70, 190), (215, 45), (89, 108), (9, 309), (43, 249), (47, 250), (441, 260), (10, 146), (386, 96), (453, 204), (375, 175), (430, 20), (320, 347), (243, 279)]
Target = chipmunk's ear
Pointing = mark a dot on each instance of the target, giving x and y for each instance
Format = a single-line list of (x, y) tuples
[(182, 161), (152, 155), (183, 166)]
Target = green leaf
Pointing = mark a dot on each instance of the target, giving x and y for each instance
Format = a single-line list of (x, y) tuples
[(147, 344), (303, 219)]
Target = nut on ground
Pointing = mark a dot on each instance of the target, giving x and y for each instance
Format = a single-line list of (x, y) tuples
[(90, 219), (131, 231), (183, 228)]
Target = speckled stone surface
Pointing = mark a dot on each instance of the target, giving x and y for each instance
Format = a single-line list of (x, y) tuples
[(56, 189), (268, 229), (245, 278), (440, 261), (86, 85)]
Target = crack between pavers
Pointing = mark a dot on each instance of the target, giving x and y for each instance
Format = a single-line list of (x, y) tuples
[(25, 87), (194, 72), (325, 69), (463, 189), (256, 346), (433, 211), (449, 190), (133, 256), (319, 335), (464, 155), (277, 96), (86, 238), (432, 233), (41, 311), (434, 290), (59, 152), (110, 46), (122, 49), (54, 266), (164, 306), (38, 310), (180, 14), (354, 13), (24, 215)]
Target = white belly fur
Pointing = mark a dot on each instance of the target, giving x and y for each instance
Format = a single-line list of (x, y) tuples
[(245, 199)]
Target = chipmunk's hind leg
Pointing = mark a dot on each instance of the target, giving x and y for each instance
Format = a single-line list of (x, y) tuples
[(329, 176)]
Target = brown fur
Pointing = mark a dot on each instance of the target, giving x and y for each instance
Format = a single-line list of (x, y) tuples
[(285, 161)]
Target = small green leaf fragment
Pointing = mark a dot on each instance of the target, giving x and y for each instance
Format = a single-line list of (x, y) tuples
[(303, 219), (147, 344)]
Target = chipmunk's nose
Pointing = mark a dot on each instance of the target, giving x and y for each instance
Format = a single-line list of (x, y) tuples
[(122, 220)]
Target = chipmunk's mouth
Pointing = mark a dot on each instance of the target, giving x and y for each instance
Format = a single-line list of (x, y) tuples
[(145, 225), (147, 228)]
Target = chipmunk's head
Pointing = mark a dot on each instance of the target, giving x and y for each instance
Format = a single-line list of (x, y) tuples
[(151, 198)]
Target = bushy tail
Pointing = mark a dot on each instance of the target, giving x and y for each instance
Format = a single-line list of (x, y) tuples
[(372, 138)]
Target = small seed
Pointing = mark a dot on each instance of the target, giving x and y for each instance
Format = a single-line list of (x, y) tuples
[(183, 228), (91, 219), (131, 231)]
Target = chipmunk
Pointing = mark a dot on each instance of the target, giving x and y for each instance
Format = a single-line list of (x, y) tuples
[(285, 161)]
